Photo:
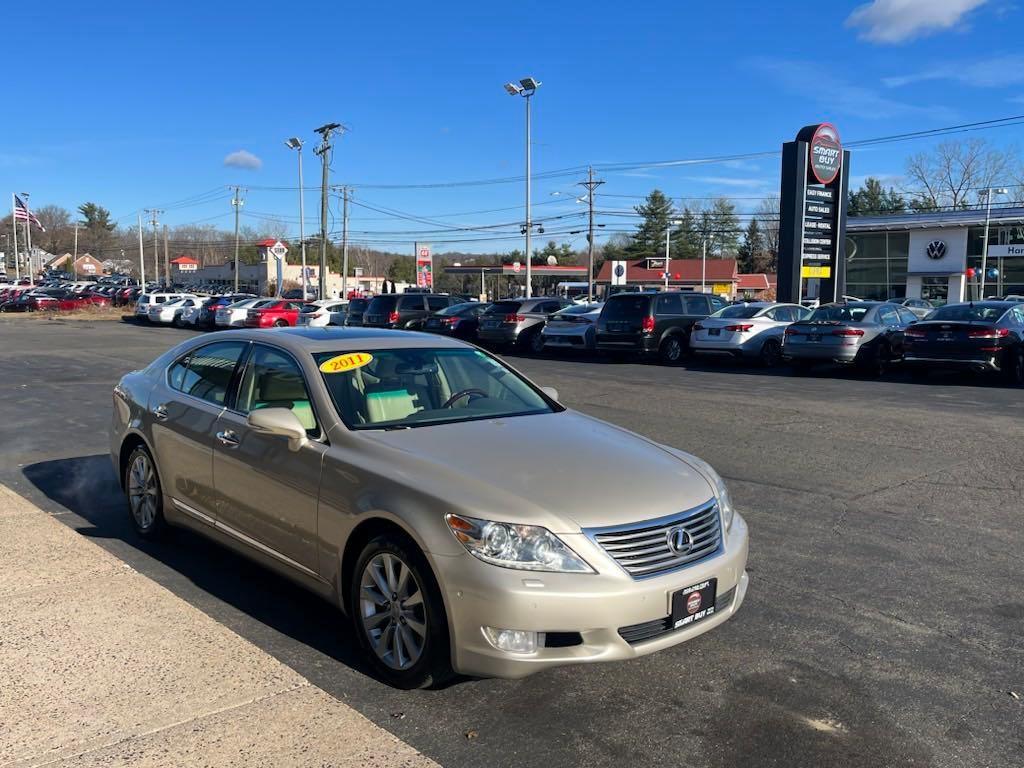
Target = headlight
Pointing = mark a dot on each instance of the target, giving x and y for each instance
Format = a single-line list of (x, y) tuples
[(721, 492), (527, 547)]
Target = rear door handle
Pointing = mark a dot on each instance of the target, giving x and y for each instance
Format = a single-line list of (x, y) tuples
[(160, 412), (228, 438)]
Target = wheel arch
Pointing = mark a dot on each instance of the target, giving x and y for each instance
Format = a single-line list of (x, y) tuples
[(130, 442)]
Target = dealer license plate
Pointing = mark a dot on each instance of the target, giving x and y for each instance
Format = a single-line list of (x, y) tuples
[(814, 337), (693, 604), (714, 331)]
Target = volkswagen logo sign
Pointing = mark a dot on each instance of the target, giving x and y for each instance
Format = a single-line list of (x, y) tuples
[(679, 540), (936, 249), (619, 270)]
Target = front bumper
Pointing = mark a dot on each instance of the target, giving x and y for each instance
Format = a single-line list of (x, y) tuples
[(603, 608)]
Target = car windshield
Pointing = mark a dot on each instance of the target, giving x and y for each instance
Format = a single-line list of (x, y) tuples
[(503, 308), (458, 309), (416, 387), (738, 310), (839, 313), (969, 312), (576, 309), (626, 306)]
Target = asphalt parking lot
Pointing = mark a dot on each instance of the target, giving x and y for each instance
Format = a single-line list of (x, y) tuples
[(883, 623)]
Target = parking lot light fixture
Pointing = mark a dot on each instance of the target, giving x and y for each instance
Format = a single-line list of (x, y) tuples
[(668, 248), (296, 144), (526, 88)]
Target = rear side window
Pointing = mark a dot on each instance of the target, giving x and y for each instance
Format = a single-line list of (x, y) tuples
[(888, 316), (669, 304), (625, 307), (412, 303), (435, 303), (382, 305), (206, 372), (358, 305), (907, 316)]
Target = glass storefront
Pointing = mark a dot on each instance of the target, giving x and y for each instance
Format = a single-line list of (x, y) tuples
[(876, 264), (1010, 279)]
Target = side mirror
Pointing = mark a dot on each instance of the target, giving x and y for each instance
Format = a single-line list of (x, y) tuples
[(279, 421), (550, 392)]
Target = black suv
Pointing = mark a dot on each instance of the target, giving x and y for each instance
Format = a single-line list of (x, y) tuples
[(653, 323), (403, 310)]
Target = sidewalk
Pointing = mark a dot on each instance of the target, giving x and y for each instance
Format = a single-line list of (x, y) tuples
[(101, 666)]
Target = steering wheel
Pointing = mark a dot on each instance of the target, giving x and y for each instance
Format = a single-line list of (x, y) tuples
[(470, 393)]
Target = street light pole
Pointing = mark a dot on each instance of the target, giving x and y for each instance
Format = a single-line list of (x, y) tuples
[(703, 265), (984, 248), (526, 88), (296, 144), (668, 257)]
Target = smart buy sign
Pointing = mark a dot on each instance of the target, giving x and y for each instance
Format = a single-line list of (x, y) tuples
[(826, 153)]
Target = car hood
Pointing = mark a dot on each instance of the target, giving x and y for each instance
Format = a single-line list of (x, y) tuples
[(564, 470)]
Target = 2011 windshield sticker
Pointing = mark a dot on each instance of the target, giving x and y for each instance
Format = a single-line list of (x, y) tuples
[(347, 362)]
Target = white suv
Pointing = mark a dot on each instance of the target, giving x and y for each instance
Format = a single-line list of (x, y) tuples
[(146, 300)]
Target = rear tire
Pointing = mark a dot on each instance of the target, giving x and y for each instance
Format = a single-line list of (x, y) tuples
[(280, 323), (671, 350), (145, 495), (403, 631), (771, 353), (876, 362), (536, 343)]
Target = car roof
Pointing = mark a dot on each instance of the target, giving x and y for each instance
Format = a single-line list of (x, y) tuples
[(349, 339)]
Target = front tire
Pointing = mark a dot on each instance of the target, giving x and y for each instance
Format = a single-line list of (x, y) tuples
[(536, 343), (280, 323), (145, 496), (399, 615), (1015, 367)]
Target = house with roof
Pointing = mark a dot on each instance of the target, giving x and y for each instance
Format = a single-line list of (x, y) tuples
[(718, 276)]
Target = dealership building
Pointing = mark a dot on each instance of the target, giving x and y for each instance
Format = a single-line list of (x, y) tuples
[(927, 255)]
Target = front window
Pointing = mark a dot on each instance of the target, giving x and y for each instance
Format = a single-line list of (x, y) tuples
[(401, 388), (272, 379)]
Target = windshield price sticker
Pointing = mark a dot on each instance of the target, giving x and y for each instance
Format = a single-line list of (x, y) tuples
[(346, 362)]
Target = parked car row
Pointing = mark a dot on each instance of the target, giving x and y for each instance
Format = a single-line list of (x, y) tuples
[(49, 299)]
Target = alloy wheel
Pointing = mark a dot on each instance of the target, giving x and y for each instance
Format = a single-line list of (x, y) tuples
[(392, 611), (771, 353), (537, 343), (142, 492), (672, 350)]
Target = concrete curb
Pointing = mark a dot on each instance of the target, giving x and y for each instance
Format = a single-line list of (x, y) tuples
[(103, 666)]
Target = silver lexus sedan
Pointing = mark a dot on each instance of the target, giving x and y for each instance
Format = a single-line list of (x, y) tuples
[(464, 519)]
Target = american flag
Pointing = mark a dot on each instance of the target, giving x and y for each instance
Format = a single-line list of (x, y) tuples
[(22, 213)]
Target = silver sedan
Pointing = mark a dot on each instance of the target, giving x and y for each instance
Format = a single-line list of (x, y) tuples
[(463, 518), (752, 330)]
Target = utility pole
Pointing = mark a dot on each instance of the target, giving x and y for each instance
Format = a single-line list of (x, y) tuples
[(324, 151), (591, 185), (344, 243), (237, 202), (14, 229), (142, 259), (167, 260), (153, 213), (76, 242)]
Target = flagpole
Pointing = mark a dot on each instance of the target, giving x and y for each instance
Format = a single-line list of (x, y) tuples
[(14, 226), (28, 236)]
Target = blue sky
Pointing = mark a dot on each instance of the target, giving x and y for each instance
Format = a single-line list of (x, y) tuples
[(132, 105)]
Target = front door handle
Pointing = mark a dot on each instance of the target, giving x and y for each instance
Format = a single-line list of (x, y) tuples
[(228, 438), (160, 412)]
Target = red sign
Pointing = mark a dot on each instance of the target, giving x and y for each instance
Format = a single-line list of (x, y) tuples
[(424, 267), (826, 153), (693, 602), (516, 266)]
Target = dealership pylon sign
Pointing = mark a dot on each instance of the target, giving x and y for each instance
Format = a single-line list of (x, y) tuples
[(812, 214)]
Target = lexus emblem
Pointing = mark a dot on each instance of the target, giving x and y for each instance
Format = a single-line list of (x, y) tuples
[(680, 541), (936, 249)]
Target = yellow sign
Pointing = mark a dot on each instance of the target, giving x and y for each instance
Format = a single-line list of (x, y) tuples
[(721, 288), (816, 271), (347, 362)]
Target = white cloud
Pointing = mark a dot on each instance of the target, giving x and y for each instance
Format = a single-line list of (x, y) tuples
[(993, 72), (243, 159), (895, 21)]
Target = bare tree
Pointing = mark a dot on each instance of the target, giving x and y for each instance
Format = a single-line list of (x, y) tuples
[(767, 216), (954, 172), (59, 236)]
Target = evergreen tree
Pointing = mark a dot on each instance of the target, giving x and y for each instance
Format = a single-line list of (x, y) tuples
[(751, 252), (649, 239), (872, 199), (687, 236)]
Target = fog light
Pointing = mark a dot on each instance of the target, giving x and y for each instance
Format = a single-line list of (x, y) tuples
[(511, 640)]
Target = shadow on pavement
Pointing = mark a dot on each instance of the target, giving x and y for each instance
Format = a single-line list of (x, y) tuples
[(194, 568)]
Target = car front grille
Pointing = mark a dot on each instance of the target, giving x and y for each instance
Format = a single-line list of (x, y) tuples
[(650, 630), (644, 549)]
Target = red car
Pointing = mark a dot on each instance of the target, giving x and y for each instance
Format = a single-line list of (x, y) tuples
[(66, 301), (277, 314)]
